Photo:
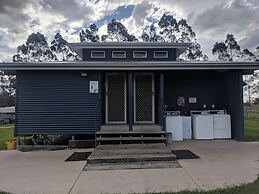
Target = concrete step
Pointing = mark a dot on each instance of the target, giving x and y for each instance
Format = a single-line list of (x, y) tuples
[(147, 146), (130, 158), (130, 139), (125, 128), (115, 137), (130, 132), (132, 165), (130, 153)]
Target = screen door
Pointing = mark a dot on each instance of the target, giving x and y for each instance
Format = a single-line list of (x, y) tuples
[(116, 98), (144, 98)]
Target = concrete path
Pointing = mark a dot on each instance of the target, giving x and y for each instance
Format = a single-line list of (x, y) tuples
[(38, 172), (222, 163)]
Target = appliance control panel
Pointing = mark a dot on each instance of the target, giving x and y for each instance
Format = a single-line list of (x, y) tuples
[(208, 112)]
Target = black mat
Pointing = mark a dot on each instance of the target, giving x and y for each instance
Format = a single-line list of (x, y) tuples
[(184, 154), (78, 156)]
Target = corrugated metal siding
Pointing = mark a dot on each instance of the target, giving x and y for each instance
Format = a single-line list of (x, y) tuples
[(56, 102)]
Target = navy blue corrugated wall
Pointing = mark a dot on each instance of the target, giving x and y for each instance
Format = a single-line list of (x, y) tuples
[(56, 102)]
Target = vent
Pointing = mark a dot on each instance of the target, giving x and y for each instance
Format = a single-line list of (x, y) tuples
[(97, 54), (140, 54), (119, 54), (161, 54)]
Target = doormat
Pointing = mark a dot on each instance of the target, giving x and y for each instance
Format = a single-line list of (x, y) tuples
[(78, 156), (184, 154)]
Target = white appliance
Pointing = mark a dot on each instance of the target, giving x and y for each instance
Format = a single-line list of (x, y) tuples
[(222, 126), (203, 127), (187, 127), (174, 125)]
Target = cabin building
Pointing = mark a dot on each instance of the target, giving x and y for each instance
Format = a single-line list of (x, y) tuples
[(125, 87)]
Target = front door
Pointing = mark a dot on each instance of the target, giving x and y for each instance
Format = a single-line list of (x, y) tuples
[(144, 98), (116, 98)]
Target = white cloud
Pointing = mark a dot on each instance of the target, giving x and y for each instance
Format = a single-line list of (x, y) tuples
[(140, 12), (211, 20), (239, 17), (102, 30)]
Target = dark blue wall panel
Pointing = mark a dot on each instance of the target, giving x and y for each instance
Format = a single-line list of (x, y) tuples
[(206, 86), (234, 102), (56, 102), (223, 89), (129, 54)]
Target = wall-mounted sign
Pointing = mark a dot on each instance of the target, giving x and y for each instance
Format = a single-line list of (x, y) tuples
[(94, 89), (180, 101), (192, 100)]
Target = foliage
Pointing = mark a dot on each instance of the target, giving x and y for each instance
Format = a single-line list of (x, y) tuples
[(171, 30), (116, 31), (61, 50), (7, 89), (6, 134), (89, 35), (151, 35), (229, 50), (37, 49)]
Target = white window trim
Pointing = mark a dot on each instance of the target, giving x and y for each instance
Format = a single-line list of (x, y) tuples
[(119, 57), (95, 57), (164, 57), (143, 57)]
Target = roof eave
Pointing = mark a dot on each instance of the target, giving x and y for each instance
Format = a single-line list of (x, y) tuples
[(84, 65)]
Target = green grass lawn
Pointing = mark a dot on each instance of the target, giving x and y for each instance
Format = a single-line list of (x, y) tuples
[(252, 111), (6, 133), (252, 130), (252, 188)]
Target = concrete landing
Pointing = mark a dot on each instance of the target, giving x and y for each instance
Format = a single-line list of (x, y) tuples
[(131, 156), (222, 163)]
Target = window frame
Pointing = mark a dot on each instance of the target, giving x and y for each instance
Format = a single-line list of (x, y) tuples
[(162, 57), (143, 57), (124, 57), (96, 57)]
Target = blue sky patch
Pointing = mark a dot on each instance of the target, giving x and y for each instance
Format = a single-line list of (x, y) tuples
[(120, 13)]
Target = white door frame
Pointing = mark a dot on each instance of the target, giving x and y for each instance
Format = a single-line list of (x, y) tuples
[(106, 100), (153, 99)]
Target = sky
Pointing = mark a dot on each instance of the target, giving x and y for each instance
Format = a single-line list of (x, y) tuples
[(211, 20)]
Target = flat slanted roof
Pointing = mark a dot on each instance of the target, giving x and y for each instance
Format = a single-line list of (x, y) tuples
[(78, 47), (136, 65)]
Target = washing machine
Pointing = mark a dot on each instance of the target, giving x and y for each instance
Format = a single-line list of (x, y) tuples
[(187, 127), (222, 126), (174, 125), (203, 126)]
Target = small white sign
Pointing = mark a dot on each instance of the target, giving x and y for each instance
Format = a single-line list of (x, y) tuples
[(94, 88), (192, 100)]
